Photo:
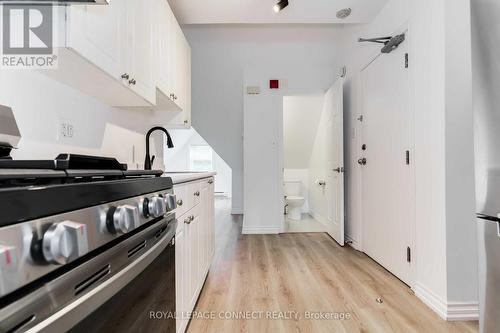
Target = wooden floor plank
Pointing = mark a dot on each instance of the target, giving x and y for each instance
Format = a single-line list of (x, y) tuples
[(275, 275)]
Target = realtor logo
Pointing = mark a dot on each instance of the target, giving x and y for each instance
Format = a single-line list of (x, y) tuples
[(28, 36)]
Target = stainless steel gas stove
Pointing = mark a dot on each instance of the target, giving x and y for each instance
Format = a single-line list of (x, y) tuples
[(76, 234)]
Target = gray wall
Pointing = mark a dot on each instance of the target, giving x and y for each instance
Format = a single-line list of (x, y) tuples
[(220, 55)]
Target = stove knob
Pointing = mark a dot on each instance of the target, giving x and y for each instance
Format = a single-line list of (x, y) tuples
[(170, 202), (155, 207), (64, 242), (122, 219)]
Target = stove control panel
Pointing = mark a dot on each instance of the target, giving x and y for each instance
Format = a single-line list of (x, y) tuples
[(32, 249)]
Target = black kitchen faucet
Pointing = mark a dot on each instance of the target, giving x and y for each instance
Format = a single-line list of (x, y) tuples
[(148, 162)]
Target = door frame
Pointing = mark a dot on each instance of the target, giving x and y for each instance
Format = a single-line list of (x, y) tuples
[(411, 109)]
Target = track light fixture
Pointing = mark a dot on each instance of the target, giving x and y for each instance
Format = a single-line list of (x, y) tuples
[(280, 6)]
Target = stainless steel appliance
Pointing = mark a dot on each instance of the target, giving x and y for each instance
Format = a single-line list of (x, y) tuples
[(486, 85), (83, 237)]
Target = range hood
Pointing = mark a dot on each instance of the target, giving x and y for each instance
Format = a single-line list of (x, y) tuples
[(57, 2)]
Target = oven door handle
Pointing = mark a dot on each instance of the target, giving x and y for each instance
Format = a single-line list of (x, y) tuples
[(73, 313), (171, 230)]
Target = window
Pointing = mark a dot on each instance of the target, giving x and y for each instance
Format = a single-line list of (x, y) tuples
[(200, 158)]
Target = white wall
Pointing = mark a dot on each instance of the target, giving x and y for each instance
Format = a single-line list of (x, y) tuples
[(299, 175), (177, 158), (39, 104), (220, 55), (445, 265), (461, 246), (300, 123)]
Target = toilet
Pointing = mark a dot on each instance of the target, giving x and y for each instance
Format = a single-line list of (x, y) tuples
[(294, 199)]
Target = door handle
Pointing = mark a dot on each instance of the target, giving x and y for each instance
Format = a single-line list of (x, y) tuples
[(339, 170), (362, 161)]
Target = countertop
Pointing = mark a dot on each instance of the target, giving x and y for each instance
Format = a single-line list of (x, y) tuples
[(184, 177)]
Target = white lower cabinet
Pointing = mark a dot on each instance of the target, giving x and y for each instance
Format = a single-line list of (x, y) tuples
[(195, 244)]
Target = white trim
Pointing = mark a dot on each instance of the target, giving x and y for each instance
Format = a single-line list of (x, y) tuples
[(462, 311), (351, 241), (262, 230), (449, 311), (436, 303)]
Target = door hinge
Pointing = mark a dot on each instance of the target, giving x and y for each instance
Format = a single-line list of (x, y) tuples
[(408, 254), (407, 60), (407, 157)]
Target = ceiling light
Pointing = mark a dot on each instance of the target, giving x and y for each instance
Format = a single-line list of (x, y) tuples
[(344, 13), (280, 5)]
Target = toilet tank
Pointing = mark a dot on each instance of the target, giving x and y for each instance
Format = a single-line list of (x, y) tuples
[(293, 188)]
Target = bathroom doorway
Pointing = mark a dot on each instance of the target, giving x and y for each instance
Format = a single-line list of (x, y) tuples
[(313, 163), (301, 119)]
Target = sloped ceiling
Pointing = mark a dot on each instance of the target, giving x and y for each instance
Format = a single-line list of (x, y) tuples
[(301, 115)]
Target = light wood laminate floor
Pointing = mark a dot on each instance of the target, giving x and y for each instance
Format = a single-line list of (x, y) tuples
[(303, 273)]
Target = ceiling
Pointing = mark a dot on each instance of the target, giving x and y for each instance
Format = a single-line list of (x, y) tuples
[(261, 11)]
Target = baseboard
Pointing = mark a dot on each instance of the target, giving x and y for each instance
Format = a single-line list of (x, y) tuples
[(449, 311), (463, 311), (262, 230), (353, 242)]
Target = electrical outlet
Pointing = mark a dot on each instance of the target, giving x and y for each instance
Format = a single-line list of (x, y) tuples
[(66, 130)]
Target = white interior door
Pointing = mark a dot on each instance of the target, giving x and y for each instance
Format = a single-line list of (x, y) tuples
[(334, 105), (387, 176)]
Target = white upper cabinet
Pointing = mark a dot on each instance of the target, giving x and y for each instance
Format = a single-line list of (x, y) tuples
[(174, 64), (165, 61), (139, 48), (129, 54), (96, 33)]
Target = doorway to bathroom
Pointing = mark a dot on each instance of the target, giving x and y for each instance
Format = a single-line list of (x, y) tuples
[(313, 172)]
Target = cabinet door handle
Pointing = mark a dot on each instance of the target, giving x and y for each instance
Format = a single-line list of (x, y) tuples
[(125, 76), (179, 202), (191, 218), (210, 181), (197, 193), (132, 82), (188, 220)]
